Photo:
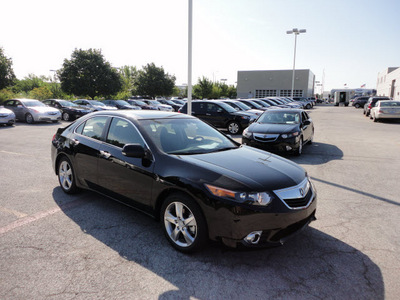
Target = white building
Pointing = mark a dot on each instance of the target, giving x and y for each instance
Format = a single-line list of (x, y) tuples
[(388, 83), (271, 83)]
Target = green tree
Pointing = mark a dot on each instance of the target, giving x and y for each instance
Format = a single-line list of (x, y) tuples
[(41, 93), (153, 81), (29, 83), (129, 76), (7, 76), (203, 89), (88, 73)]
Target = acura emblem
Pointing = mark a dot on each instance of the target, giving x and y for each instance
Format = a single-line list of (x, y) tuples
[(301, 192)]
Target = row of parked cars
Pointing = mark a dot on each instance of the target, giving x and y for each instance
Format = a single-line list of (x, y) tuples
[(378, 107), (31, 110), (273, 123)]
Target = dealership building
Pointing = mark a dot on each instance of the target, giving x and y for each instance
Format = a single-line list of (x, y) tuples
[(388, 83), (275, 83)]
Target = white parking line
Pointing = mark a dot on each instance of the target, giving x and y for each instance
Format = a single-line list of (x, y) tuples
[(40, 215), (18, 214)]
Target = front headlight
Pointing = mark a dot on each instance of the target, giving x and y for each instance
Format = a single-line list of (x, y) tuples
[(289, 135), (246, 133), (262, 198)]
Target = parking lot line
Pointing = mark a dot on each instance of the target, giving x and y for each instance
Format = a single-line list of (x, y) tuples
[(40, 215), (16, 213)]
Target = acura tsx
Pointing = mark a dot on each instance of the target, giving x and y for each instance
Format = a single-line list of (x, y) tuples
[(198, 182)]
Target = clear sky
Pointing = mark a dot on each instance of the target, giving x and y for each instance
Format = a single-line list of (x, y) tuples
[(348, 40)]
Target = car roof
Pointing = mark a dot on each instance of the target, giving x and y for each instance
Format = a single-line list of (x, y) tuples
[(24, 99), (144, 114)]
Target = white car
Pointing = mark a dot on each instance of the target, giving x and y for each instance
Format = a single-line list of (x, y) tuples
[(7, 116), (158, 105), (385, 109), (31, 110)]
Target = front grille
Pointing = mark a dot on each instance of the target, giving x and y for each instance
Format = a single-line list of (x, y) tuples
[(297, 197), (299, 202), (265, 137)]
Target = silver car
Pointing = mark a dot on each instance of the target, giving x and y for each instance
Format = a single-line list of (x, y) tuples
[(385, 109), (31, 110), (7, 116)]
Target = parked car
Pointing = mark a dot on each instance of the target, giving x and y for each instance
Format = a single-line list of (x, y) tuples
[(280, 130), (69, 110), (308, 104), (158, 105), (141, 104), (252, 104), (371, 103), (240, 106), (220, 115), (198, 182), (385, 109), (360, 101), (94, 105), (174, 105), (31, 111), (7, 116), (120, 104)]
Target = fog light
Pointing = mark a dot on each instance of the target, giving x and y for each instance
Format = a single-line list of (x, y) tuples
[(288, 148), (253, 238)]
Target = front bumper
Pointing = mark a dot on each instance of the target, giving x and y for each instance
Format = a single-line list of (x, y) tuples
[(9, 119), (281, 145), (45, 117), (275, 222)]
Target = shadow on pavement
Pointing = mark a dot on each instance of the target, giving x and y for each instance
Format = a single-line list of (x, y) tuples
[(318, 154), (312, 265)]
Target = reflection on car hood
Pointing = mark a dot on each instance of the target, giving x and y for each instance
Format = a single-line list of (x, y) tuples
[(273, 128), (256, 169), (6, 111)]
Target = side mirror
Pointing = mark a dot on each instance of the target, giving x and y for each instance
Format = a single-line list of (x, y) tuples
[(134, 150), (307, 122)]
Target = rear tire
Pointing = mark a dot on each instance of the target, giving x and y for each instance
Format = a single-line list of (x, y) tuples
[(66, 176)]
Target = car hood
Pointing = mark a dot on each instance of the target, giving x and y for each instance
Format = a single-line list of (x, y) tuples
[(273, 128), (44, 109), (6, 111), (248, 169)]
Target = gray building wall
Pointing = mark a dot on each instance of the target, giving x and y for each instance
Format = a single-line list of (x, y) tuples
[(258, 84)]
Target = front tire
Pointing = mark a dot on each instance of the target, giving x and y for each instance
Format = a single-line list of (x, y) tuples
[(233, 127), (300, 148), (66, 116), (183, 223), (29, 118), (66, 176)]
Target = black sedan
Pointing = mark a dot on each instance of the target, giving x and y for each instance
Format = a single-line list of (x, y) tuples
[(69, 110), (197, 181), (283, 130)]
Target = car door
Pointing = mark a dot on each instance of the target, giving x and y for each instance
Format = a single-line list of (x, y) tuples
[(127, 179), (307, 126), (20, 110), (85, 144)]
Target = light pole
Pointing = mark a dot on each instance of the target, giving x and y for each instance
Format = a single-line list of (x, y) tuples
[(190, 29), (296, 32)]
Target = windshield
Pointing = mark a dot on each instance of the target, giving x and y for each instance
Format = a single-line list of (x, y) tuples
[(122, 102), (97, 103), (279, 117), (227, 107), (185, 136), (33, 103), (67, 103)]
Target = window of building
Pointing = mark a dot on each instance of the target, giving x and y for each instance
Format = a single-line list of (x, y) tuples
[(266, 93), (288, 93)]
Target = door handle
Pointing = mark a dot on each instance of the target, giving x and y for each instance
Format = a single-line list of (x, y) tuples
[(105, 154), (74, 142)]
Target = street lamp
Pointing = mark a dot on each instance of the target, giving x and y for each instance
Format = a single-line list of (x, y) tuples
[(296, 32)]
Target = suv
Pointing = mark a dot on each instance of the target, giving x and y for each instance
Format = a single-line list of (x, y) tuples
[(360, 101), (371, 103), (220, 114)]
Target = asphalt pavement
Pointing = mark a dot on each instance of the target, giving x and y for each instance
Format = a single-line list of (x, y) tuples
[(85, 246)]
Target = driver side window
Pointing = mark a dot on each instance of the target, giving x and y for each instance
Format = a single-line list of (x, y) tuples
[(123, 132)]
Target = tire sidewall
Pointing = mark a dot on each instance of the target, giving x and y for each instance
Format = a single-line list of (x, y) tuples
[(202, 231), (73, 189), (29, 118), (236, 125)]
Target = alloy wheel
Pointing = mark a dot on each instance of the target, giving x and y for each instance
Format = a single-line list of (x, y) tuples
[(180, 224)]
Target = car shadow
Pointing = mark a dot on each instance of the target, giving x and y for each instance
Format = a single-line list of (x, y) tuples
[(312, 265), (317, 154)]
